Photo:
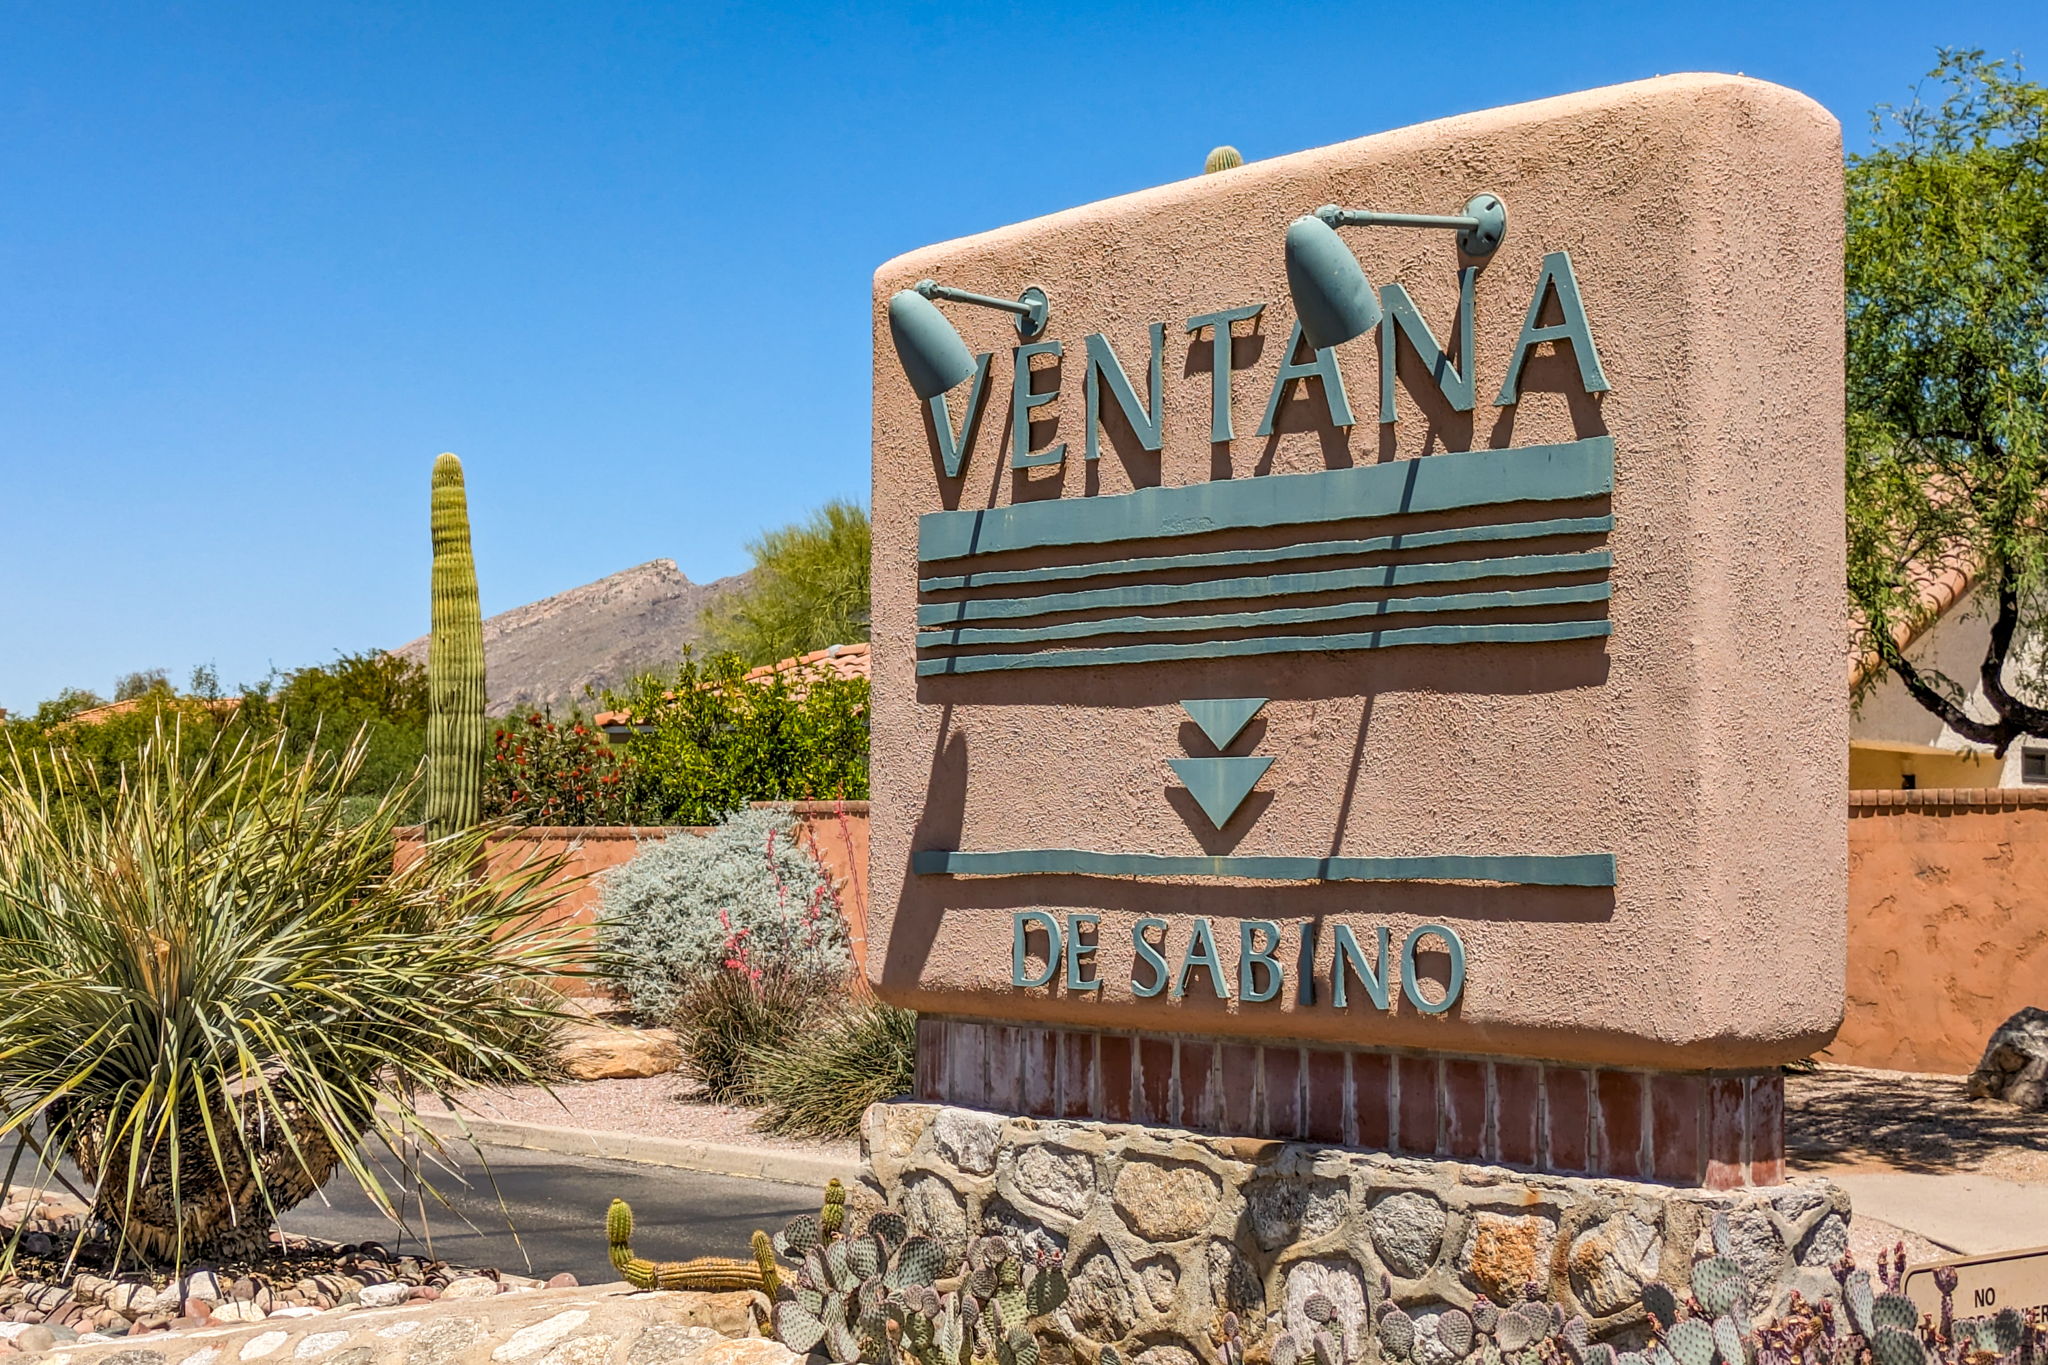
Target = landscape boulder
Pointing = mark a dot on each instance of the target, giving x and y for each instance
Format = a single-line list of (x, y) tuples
[(2015, 1064), (602, 1052)]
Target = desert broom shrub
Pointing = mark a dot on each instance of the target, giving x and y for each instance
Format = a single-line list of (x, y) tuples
[(818, 1081), (215, 986), (744, 897)]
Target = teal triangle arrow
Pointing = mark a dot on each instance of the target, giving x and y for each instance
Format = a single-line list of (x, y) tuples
[(1222, 718), (1220, 785)]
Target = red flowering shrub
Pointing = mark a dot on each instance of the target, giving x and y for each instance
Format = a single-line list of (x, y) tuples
[(541, 773)]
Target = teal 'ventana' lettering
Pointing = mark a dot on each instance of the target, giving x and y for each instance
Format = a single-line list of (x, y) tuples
[(1410, 352)]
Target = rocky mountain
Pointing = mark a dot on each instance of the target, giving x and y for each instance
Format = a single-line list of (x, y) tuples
[(600, 635)]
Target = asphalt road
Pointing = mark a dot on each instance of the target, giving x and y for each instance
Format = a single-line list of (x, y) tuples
[(555, 1206)]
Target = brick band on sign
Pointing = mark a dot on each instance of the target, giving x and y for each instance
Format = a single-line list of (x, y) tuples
[(1719, 1130)]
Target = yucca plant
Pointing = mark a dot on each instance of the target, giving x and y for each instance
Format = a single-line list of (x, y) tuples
[(214, 984)]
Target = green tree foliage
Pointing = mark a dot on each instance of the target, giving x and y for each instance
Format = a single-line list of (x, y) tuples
[(712, 741), (212, 993), (382, 696), (141, 683), (808, 589), (1947, 277)]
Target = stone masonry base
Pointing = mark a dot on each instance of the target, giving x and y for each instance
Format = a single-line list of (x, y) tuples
[(1714, 1129), (1163, 1231)]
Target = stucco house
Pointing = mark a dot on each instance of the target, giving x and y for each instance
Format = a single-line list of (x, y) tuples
[(1895, 743)]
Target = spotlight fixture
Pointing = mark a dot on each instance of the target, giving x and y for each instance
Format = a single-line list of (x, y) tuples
[(933, 355), (1332, 296)]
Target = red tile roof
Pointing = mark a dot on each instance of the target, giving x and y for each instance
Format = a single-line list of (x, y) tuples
[(833, 661)]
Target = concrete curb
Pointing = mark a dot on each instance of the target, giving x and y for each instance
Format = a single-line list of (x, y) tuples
[(683, 1154)]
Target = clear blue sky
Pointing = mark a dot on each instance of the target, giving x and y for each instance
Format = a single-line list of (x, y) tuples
[(262, 261)]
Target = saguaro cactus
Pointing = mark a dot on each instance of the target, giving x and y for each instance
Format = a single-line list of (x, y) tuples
[(456, 734)]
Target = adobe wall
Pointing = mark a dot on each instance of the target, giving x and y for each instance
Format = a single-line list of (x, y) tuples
[(1948, 923), (836, 832)]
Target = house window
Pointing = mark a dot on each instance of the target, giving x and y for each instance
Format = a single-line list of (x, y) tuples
[(1909, 782), (2034, 765)]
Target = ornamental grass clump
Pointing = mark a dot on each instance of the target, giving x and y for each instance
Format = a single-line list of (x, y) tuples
[(821, 1079), (214, 986)]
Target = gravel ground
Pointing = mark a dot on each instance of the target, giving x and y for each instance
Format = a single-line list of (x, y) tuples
[(652, 1106), (1905, 1121)]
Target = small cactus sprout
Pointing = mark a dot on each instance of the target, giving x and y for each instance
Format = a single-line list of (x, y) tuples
[(1223, 158), (832, 1217), (1690, 1342), (1454, 1332), (1599, 1353), (1327, 1351), (1724, 1242), (1319, 1309), (1285, 1351), (1484, 1314), (764, 1259)]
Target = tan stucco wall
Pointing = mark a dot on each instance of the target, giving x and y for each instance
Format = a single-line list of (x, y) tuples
[(1701, 744), (1948, 924)]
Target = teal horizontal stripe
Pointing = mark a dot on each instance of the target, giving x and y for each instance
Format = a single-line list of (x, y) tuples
[(1270, 585), (1433, 483), (1579, 869), (1271, 644), (1315, 549), (1279, 616)]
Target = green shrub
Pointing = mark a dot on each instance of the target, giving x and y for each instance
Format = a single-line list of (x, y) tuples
[(807, 589), (214, 985), (745, 897), (728, 1017), (542, 773), (714, 741), (817, 1081)]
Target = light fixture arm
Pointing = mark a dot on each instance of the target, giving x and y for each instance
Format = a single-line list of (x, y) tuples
[(1031, 307), (1480, 227)]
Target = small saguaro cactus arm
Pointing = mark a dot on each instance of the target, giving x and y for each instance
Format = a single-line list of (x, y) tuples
[(457, 738), (703, 1273), (1224, 158)]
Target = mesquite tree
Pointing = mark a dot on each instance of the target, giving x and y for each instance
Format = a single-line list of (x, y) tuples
[(1947, 276)]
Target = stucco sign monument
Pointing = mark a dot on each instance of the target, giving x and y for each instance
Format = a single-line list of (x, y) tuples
[(1357, 641)]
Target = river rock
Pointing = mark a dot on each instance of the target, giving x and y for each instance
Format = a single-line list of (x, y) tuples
[(2015, 1063)]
